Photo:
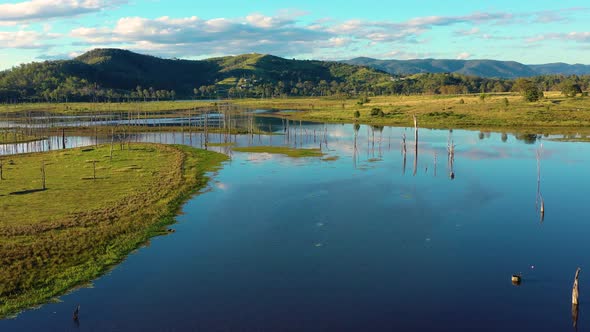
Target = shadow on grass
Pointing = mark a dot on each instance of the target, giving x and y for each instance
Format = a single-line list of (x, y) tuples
[(24, 192)]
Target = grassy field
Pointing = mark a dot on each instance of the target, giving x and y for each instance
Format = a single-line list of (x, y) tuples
[(55, 239), (445, 111), (8, 137), (495, 111), (76, 108), (284, 150)]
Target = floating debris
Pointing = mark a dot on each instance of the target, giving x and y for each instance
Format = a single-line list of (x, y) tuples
[(516, 279)]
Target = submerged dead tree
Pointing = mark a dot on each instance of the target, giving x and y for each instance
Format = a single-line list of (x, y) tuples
[(63, 138), (451, 158), (415, 145), (404, 153), (575, 291), (435, 158), (355, 144), (539, 201)]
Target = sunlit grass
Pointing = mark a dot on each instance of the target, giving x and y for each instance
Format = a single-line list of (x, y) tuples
[(284, 150), (76, 229)]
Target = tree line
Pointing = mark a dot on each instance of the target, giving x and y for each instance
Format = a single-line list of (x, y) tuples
[(49, 82)]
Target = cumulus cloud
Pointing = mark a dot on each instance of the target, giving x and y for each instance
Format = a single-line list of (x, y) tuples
[(182, 36), (24, 39), (283, 34), (27, 11)]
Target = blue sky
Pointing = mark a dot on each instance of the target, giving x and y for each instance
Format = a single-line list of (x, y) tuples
[(526, 31)]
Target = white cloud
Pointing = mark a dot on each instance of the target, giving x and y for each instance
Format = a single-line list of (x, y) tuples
[(281, 34), (26, 11), (25, 39), (467, 32), (581, 37), (184, 36), (463, 56)]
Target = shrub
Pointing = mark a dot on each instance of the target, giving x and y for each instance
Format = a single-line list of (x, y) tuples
[(357, 114), (363, 100), (377, 112), (461, 101), (532, 93)]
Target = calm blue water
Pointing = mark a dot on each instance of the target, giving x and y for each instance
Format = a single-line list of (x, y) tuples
[(358, 244)]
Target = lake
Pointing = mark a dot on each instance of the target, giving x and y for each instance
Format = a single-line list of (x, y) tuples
[(364, 241)]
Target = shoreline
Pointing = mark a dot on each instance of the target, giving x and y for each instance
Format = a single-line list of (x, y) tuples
[(109, 232)]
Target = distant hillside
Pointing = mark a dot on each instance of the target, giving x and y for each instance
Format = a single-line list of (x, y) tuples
[(119, 75), (480, 68), (123, 72), (561, 68)]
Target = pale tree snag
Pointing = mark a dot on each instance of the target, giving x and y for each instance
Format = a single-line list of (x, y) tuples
[(575, 292)]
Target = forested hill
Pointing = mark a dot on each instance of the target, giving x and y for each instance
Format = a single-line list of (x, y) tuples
[(481, 68), (120, 75), (124, 74)]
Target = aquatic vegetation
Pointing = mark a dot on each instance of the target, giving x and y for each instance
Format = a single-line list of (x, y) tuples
[(290, 152)]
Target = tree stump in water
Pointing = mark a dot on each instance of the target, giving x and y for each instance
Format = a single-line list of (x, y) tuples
[(575, 292)]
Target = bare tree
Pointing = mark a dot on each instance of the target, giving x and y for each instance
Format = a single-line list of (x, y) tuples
[(43, 187)]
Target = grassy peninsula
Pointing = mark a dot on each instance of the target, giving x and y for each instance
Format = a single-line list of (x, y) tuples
[(91, 214)]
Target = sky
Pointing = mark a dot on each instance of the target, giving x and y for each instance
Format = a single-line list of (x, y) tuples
[(531, 32)]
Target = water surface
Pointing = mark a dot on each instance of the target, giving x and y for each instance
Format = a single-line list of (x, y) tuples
[(360, 243)]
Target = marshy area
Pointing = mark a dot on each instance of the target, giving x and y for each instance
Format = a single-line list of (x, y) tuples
[(336, 222)]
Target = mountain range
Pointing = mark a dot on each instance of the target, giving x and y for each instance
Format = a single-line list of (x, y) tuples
[(480, 68)]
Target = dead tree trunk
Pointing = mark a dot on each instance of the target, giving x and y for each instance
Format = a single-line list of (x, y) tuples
[(575, 292), (415, 144), (112, 143), (43, 187)]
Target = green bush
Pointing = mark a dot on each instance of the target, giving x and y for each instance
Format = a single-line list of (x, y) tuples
[(363, 100), (377, 112), (532, 93)]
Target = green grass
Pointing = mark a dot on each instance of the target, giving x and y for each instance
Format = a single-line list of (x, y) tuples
[(77, 229), (432, 111), (331, 158), (222, 144), (288, 151), (8, 137), (440, 111), (77, 108)]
